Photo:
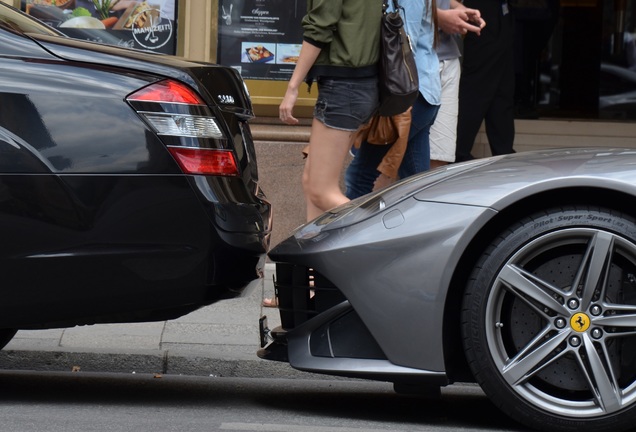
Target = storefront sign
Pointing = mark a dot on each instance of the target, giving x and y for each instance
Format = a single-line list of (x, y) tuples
[(260, 38), (149, 25)]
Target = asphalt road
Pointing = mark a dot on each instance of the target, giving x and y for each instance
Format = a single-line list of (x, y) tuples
[(87, 402)]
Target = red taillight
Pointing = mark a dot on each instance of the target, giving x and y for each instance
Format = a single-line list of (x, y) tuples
[(205, 161), (196, 128), (167, 91)]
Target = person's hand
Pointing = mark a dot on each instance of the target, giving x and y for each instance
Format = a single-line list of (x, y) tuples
[(287, 106), (382, 181), (474, 17), (460, 21)]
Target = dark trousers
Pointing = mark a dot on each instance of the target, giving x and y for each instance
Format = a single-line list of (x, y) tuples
[(487, 85)]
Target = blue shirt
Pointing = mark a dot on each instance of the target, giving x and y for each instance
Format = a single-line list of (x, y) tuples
[(447, 46), (418, 22)]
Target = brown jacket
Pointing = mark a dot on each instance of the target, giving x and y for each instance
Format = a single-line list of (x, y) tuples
[(393, 131)]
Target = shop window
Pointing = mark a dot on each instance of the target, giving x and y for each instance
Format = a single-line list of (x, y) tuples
[(576, 59)]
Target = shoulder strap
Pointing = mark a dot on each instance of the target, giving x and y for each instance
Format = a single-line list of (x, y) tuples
[(385, 6)]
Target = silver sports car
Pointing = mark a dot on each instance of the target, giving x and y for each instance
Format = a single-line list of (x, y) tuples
[(516, 272)]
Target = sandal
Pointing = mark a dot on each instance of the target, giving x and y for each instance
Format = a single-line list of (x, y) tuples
[(270, 302)]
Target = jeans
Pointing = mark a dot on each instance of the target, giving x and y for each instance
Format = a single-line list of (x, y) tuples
[(362, 172), (346, 103)]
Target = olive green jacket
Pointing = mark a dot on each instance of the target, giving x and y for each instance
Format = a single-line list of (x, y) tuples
[(348, 32)]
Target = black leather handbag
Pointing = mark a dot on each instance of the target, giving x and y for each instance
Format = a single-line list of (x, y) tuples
[(398, 79)]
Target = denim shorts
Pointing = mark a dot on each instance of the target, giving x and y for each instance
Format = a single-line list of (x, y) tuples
[(346, 103)]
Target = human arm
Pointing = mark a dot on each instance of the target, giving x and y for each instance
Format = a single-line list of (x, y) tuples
[(306, 59)]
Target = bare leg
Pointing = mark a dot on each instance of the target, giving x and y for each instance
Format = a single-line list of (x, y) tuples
[(328, 149), (321, 177)]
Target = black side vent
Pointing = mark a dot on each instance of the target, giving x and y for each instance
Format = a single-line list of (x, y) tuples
[(302, 294), (345, 337)]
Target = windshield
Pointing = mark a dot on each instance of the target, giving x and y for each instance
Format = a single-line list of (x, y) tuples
[(18, 22)]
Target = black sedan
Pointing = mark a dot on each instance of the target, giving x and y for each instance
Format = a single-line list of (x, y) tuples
[(128, 183), (516, 272)]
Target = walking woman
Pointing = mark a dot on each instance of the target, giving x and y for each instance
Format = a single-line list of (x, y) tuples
[(340, 51), (362, 175)]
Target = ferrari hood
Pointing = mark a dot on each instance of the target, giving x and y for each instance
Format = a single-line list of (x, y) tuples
[(489, 182)]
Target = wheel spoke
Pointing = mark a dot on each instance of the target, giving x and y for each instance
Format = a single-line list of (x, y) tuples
[(525, 285), (622, 316), (537, 354), (595, 266), (627, 321), (600, 377)]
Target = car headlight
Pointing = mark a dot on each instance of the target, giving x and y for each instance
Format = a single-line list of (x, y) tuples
[(352, 212)]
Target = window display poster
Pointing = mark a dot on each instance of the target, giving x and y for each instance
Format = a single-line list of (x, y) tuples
[(141, 24), (260, 38)]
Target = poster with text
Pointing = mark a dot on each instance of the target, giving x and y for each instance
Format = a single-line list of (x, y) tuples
[(147, 25), (261, 38)]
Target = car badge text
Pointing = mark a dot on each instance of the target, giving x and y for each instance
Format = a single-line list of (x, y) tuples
[(226, 99)]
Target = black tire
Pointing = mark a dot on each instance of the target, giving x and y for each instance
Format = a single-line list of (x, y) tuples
[(549, 321), (5, 336)]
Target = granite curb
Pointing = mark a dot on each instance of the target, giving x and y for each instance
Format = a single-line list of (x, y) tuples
[(145, 363), (219, 340)]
